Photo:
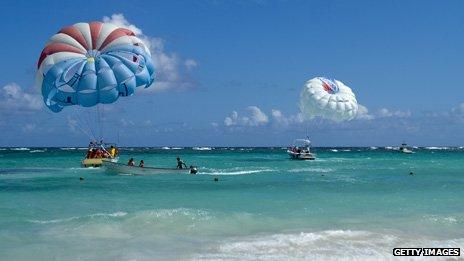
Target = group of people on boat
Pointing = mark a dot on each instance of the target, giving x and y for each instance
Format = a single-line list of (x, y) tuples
[(99, 152), (298, 150)]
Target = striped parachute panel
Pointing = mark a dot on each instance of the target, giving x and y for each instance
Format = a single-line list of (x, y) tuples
[(90, 63)]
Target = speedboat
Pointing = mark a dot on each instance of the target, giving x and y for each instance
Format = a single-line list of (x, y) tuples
[(98, 152), (301, 150), (404, 149), (114, 167)]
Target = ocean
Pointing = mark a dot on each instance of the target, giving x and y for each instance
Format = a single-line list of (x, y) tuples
[(348, 204)]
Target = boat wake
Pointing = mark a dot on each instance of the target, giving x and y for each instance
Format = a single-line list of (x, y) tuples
[(234, 171), (318, 170)]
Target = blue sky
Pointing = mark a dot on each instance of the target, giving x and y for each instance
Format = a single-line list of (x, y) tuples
[(249, 59)]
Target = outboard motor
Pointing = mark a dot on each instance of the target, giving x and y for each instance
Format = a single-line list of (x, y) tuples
[(193, 170)]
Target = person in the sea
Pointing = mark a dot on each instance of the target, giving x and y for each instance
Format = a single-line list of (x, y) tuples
[(180, 164), (131, 162), (141, 164)]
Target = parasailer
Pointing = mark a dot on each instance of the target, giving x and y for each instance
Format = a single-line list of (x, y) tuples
[(323, 99), (91, 63), (94, 63), (328, 99)]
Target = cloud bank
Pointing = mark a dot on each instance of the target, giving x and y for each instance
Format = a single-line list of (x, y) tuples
[(15, 100), (254, 117), (171, 71)]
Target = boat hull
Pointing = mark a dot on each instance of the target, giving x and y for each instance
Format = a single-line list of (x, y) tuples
[(119, 168), (87, 163), (301, 156)]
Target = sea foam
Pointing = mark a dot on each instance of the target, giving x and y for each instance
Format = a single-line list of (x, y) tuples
[(324, 245)]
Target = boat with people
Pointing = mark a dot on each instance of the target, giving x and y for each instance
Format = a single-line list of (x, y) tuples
[(404, 149), (301, 150), (119, 168), (99, 151)]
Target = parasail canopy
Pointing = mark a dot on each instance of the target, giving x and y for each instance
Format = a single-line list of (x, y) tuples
[(90, 63), (328, 99)]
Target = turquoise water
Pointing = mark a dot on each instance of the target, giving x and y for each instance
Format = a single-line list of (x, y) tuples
[(351, 203)]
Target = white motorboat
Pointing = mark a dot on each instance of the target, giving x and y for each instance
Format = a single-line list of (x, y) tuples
[(301, 150), (404, 149)]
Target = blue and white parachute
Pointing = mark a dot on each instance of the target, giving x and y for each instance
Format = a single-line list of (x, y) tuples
[(91, 63), (327, 99)]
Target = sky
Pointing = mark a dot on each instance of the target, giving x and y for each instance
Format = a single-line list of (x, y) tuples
[(229, 73)]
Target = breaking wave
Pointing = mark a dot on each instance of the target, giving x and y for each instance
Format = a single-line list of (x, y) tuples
[(324, 245), (96, 215)]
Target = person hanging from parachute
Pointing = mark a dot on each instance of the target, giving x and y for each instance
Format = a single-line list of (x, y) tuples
[(94, 63), (323, 99)]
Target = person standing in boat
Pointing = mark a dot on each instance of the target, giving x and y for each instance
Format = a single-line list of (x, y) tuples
[(180, 164), (112, 151)]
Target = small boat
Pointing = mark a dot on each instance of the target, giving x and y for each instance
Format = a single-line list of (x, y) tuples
[(404, 149), (301, 150), (98, 152), (115, 167)]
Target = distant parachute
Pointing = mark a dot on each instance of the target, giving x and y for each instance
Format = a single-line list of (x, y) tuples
[(91, 63), (327, 99)]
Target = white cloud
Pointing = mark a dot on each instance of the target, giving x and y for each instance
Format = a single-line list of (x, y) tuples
[(458, 110), (171, 72), (254, 117), (13, 99), (232, 119), (29, 127), (257, 117), (363, 113), (280, 119), (126, 123), (190, 64), (121, 21), (386, 113)]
